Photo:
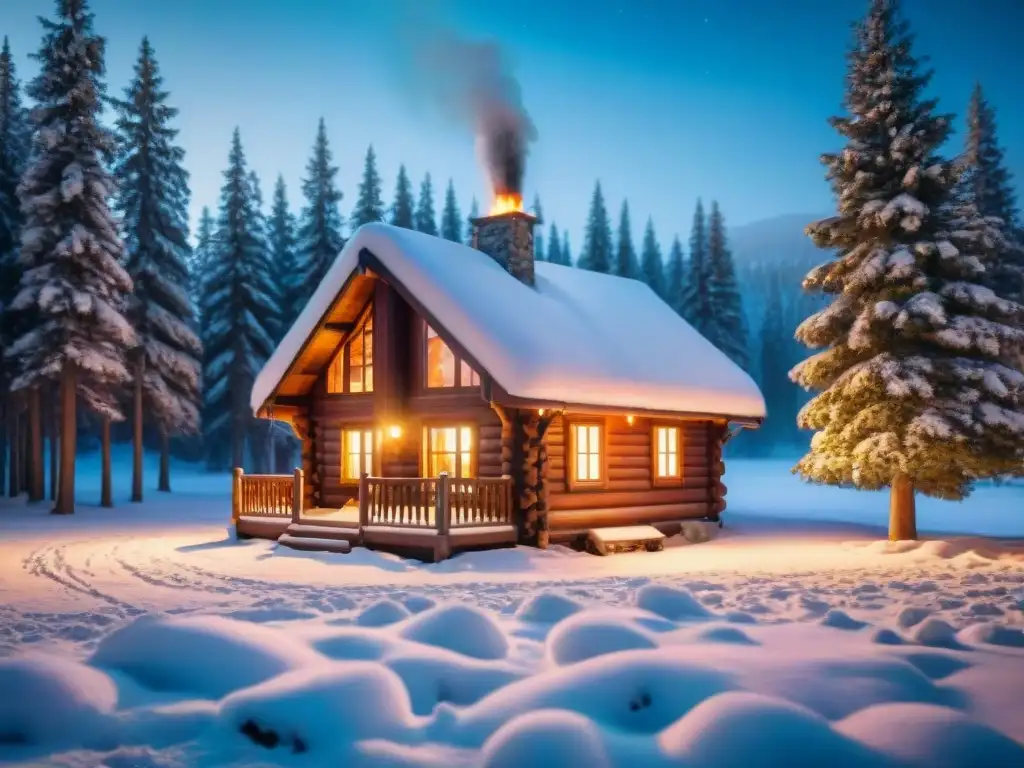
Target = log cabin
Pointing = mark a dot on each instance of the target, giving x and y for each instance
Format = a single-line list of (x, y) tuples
[(452, 397)]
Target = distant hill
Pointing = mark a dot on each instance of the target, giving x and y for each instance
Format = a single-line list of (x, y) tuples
[(775, 241)]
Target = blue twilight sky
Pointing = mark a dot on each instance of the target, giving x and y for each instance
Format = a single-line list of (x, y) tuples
[(664, 100)]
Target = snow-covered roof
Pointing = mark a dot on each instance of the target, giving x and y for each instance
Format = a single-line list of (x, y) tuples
[(577, 337)]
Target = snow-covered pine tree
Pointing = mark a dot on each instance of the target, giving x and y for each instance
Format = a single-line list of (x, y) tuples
[(695, 305), (153, 199), (566, 254), (675, 276), (728, 331), (474, 213), (913, 392), (402, 210), (597, 238), (652, 269), (14, 146), (200, 258), (74, 285), (425, 217), (370, 204), (239, 314), (451, 218), (993, 195), (554, 254), (283, 259), (780, 395), (538, 240), (625, 254), (320, 224)]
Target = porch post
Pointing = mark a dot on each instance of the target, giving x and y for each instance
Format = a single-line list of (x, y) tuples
[(364, 500), (442, 513), (297, 493), (236, 495)]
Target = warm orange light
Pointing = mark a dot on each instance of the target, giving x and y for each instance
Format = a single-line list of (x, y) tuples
[(395, 431), (540, 411), (506, 204), (629, 419)]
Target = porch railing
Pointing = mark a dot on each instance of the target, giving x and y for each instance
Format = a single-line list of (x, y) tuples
[(480, 501), (266, 495), (427, 502)]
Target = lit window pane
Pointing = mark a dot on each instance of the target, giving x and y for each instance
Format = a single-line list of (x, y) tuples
[(662, 440), (465, 438), (440, 363), (368, 345), (581, 466), (662, 465), (594, 437), (355, 378), (673, 439), (467, 464), (467, 376), (368, 377), (595, 472)]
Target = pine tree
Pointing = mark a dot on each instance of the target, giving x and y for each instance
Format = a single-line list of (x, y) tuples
[(370, 205), (696, 301), (651, 266), (73, 285), (567, 259), (320, 225), (201, 259), (239, 312), (913, 393), (474, 213), (625, 254), (675, 277), (153, 199), (728, 330), (451, 218), (538, 239), (283, 259), (554, 254), (425, 218), (597, 239), (402, 209), (780, 395)]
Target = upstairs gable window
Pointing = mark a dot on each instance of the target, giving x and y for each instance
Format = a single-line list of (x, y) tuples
[(351, 371), (443, 367)]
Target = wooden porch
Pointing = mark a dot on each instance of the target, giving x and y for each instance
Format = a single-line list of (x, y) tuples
[(422, 516)]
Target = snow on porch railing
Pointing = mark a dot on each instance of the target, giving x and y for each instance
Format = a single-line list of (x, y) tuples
[(427, 502), (266, 495)]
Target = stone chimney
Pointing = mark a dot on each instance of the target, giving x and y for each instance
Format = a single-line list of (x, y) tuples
[(508, 239)]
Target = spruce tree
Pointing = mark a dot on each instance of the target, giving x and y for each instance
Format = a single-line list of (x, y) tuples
[(74, 285), (597, 238), (320, 225), (913, 393), (554, 254), (283, 259), (538, 239), (780, 395), (239, 315), (625, 254), (474, 213), (370, 204), (728, 330), (651, 267), (403, 208), (200, 261), (675, 277), (567, 259), (451, 219), (424, 217), (696, 300), (153, 200)]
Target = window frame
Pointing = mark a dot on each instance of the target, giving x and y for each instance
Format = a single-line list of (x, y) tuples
[(426, 454), (460, 363), (587, 485), (363, 430), (342, 354), (671, 480)]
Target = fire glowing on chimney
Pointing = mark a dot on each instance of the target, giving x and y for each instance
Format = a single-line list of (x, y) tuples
[(506, 204)]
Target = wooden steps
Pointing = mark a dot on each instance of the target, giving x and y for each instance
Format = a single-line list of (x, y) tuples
[(630, 538), (320, 538), (305, 544)]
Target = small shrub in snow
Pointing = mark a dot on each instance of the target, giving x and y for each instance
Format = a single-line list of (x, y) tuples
[(547, 608), (459, 628), (382, 613), (672, 603), (588, 635), (548, 737)]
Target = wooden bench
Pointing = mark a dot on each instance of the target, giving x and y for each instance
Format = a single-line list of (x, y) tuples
[(631, 538)]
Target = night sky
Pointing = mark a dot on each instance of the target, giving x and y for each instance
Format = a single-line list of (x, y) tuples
[(664, 100)]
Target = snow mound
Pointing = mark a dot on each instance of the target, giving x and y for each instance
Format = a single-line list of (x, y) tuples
[(936, 633), (458, 628), (383, 613), (318, 710), (930, 737), (418, 603), (966, 549), (52, 701), (439, 676), (725, 634), (206, 655), (838, 619), (672, 603), (912, 615), (547, 608), (992, 634), (591, 634), (886, 636), (740, 729), (353, 644), (548, 737)]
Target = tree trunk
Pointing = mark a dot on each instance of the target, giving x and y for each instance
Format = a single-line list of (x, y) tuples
[(35, 452), (14, 442), (137, 431), (23, 452), (106, 489), (54, 441), (165, 462), (65, 504), (902, 511), (5, 415)]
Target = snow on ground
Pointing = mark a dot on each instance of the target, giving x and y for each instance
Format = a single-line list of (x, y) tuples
[(147, 636)]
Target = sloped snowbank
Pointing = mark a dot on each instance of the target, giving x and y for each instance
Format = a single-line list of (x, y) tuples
[(668, 680)]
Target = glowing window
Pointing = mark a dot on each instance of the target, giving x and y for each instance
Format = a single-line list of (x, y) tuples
[(358, 453), (440, 361), (587, 452), (358, 354), (450, 449), (666, 444)]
